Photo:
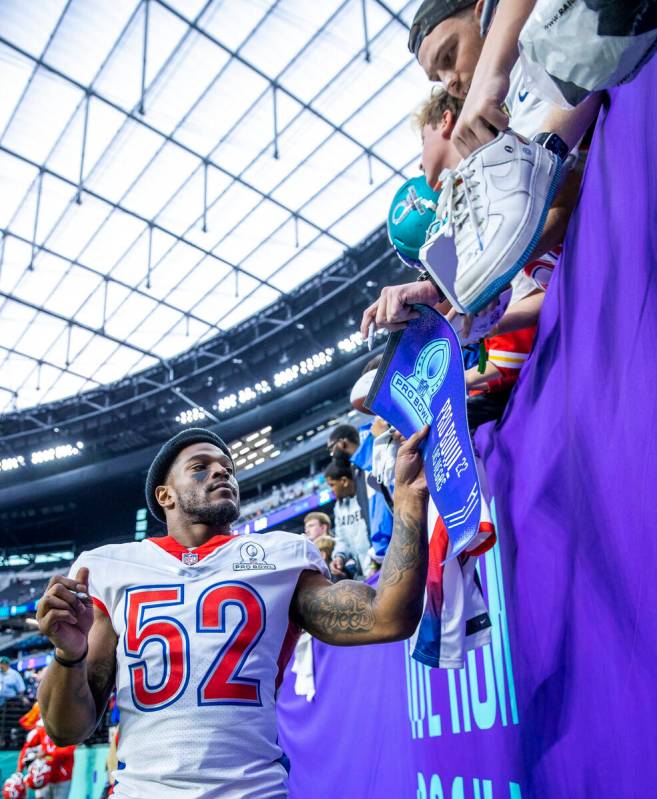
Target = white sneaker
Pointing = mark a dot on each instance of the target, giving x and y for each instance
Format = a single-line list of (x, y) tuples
[(494, 204)]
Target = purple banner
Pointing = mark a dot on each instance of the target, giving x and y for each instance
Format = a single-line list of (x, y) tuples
[(419, 382), (383, 725), (562, 704)]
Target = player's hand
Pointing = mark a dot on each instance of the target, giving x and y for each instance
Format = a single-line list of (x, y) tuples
[(64, 618), (337, 567), (482, 116), (393, 311), (410, 479)]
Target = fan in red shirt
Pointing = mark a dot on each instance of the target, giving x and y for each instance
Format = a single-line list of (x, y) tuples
[(509, 345), (38, 746)]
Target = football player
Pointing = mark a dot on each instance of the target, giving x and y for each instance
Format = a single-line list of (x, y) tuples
[(195, 627)]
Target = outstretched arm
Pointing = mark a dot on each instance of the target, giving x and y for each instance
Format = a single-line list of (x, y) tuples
[(351, 612), (73, 699), (482, 113)]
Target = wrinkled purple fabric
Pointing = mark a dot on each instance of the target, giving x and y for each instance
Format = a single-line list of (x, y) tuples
[(573, 468), (574, 472)]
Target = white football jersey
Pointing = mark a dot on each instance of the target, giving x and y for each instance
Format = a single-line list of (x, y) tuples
[(528, 112), (203, 635)]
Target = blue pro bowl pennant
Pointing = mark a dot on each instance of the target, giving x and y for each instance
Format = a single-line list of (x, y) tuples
[(421, 381)]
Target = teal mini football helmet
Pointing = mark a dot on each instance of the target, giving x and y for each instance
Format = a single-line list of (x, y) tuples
[(412, 211)]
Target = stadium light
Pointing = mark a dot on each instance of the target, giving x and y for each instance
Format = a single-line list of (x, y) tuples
[(191, 415), (9, 464), (243, 396), (289, 374), (353, 342), (246, 395), (252, 449), (227, 403), (304, 367), (56, 453)]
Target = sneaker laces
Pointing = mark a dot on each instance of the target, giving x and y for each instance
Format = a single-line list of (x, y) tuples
[(458, 201)]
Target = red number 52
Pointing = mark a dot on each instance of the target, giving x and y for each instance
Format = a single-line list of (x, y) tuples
[(149, 622)]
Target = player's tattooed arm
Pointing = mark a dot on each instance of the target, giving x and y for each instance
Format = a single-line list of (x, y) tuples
[(72, 700), (101, 665), (338, 613), (350, 612)]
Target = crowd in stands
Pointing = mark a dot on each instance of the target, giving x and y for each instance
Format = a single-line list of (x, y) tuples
[(22, 589), (362, 482), (280, 496)]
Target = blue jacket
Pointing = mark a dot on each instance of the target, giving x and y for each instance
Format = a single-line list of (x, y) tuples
[(379, 513)]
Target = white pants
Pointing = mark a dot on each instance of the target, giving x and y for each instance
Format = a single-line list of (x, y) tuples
[(58, 790)]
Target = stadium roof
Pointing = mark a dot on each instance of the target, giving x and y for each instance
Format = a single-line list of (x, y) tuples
[(170, 168)]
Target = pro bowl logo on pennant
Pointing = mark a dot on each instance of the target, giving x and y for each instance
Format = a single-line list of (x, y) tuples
[(420, 381), (415, 392), (252, 558)]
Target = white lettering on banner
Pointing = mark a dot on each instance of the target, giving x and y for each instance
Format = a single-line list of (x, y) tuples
[(481, 789), (481, 695), (449, 450), (460, 516), (438, 472), (414, 401)]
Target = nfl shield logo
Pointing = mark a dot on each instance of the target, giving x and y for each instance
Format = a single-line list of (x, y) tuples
[(190, 558)]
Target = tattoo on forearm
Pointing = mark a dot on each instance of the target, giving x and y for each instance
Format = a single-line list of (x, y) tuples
[(100, 678), (342, 608), (407, 549), (353, 612)]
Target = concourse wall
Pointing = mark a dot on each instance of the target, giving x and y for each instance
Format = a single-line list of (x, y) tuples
[(563, 705)]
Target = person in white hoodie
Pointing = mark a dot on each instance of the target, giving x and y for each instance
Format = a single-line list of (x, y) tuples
[(352, 539)]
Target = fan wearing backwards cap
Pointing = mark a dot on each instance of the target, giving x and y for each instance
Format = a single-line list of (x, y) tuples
[(195, 627)]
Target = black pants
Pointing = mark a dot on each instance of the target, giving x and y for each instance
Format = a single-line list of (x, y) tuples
[(486, 407)]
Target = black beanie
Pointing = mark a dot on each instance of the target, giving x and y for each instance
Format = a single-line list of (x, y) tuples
[(158, 470), (429, 15)]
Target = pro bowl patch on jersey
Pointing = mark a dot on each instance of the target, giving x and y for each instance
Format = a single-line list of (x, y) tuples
[(252, 558), (421, 381)]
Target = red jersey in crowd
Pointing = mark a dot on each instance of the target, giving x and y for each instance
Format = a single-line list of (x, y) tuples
[(60, 758), (508, 352)]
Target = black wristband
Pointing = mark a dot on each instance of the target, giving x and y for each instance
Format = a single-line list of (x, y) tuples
[(424, 276), (554, 143), (69, 664)]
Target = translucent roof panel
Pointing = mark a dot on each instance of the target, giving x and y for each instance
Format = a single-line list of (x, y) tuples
[(171, 167)]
